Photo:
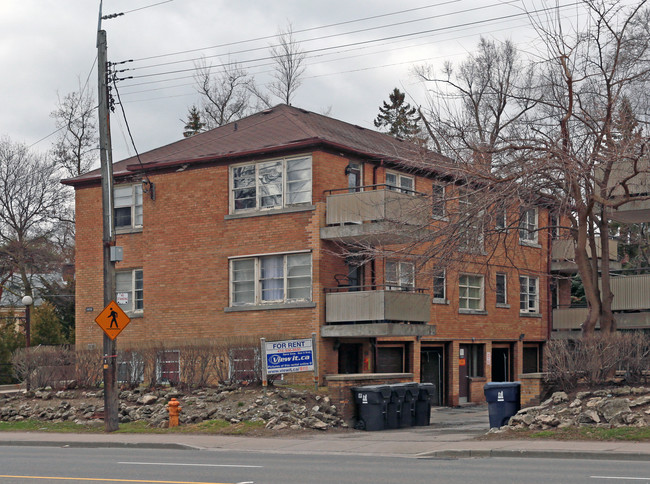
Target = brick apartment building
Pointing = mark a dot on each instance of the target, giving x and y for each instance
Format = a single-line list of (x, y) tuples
[(251, 232)]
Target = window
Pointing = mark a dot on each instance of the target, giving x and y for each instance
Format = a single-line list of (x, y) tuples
[(501, 220), (130, 368), (528, 294), (245, 364), (501, 289), (400, 183), (391, 359), (554, 226), (270, 279), (438, 197), (439, 286), (470, 292), (470, 222), (127, 201), (400, 276), (271, 185), (475, 367), (168, 366), (129, 292), (528, 225), (532, 361)]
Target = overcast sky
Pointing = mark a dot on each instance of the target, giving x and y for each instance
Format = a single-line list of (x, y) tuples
[(357, 52)]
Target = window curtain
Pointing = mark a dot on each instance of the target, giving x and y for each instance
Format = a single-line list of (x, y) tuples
[(272, 278)]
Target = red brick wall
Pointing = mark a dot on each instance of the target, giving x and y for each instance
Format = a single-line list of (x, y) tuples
[(184, 249)]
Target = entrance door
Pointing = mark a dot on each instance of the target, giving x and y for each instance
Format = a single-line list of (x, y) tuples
[(349, 358), (500, 364), (432, 370), (463, 374), (354, 177)]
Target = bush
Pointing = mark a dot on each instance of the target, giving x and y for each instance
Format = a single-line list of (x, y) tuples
[(595, 360)]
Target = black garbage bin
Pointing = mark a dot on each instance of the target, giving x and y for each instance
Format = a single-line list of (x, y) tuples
[(426, 395), (503, 400), (372, 406), (394, 414), (407, 409)]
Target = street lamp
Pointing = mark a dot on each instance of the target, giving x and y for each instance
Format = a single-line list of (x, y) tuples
[(27, 302)]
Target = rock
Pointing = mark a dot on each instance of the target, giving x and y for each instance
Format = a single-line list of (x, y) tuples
[(559, 397), (640, 401), (610, 408)]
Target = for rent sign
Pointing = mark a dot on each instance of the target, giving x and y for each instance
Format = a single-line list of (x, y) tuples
[(288, 356)]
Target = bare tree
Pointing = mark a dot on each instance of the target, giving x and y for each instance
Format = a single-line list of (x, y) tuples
[(547, 130), (226, 95), (75, 149), (33, 206), (289, 59)]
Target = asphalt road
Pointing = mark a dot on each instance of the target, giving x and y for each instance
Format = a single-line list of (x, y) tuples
[(26, 465)]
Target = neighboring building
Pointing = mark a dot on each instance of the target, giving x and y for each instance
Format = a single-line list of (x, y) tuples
[(251, 232)]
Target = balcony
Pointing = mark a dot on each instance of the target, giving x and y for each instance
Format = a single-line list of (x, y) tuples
[(631, 305), (376, 312), (376, 216), (563, 255)]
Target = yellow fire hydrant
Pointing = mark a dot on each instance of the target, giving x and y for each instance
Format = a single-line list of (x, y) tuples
[(174, 408)]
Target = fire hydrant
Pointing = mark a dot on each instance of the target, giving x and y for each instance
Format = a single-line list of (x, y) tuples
[(174, 408)]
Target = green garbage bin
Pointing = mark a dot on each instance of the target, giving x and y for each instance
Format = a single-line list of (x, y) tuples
[(372, 406), (503, 400), (426, 396), (408, 401)]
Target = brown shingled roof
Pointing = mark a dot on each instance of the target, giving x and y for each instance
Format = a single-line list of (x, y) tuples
[(280, 128)]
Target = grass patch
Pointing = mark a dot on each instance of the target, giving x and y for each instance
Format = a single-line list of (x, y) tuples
[(636, 434), (217, 427)]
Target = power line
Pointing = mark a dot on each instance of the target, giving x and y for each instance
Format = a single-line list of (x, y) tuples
[(297, 31), (367, 42)]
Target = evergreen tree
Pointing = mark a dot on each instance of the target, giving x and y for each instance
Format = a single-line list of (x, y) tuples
[(46, 326), (398, 117), (194, 125)]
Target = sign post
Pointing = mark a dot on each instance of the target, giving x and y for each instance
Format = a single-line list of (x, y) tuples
[(289, 356)]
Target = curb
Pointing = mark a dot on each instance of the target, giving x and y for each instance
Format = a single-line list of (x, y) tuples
[(99, 445), (534, 454)]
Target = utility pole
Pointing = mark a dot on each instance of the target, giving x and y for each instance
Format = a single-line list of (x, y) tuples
[(111, 422)]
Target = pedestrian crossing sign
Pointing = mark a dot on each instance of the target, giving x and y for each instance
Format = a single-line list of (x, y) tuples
[(112, 320)]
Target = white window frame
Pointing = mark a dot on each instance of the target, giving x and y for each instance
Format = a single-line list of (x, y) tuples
[(528, 225), (440, 278), (136, 294), (254, 278), (439, 201), (528, 297), (160, 362), (466, 284), (399, 184), (505, 289), (404, 275), (284, 189), (131, 363), (134, 204)]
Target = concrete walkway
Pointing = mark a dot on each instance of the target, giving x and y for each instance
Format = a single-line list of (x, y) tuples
[(451, 435)]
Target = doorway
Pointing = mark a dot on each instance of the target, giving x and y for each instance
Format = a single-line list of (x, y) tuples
[(463, 373), (432, 370), (353, 171), (349, 358), (501, 363)]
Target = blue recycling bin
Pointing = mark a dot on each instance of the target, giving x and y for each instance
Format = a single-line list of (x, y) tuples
[(504, 401), (372, 406), (408, 401), (426, 395)]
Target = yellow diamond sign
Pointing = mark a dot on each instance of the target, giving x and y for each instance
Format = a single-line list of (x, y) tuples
[(112, 320)]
